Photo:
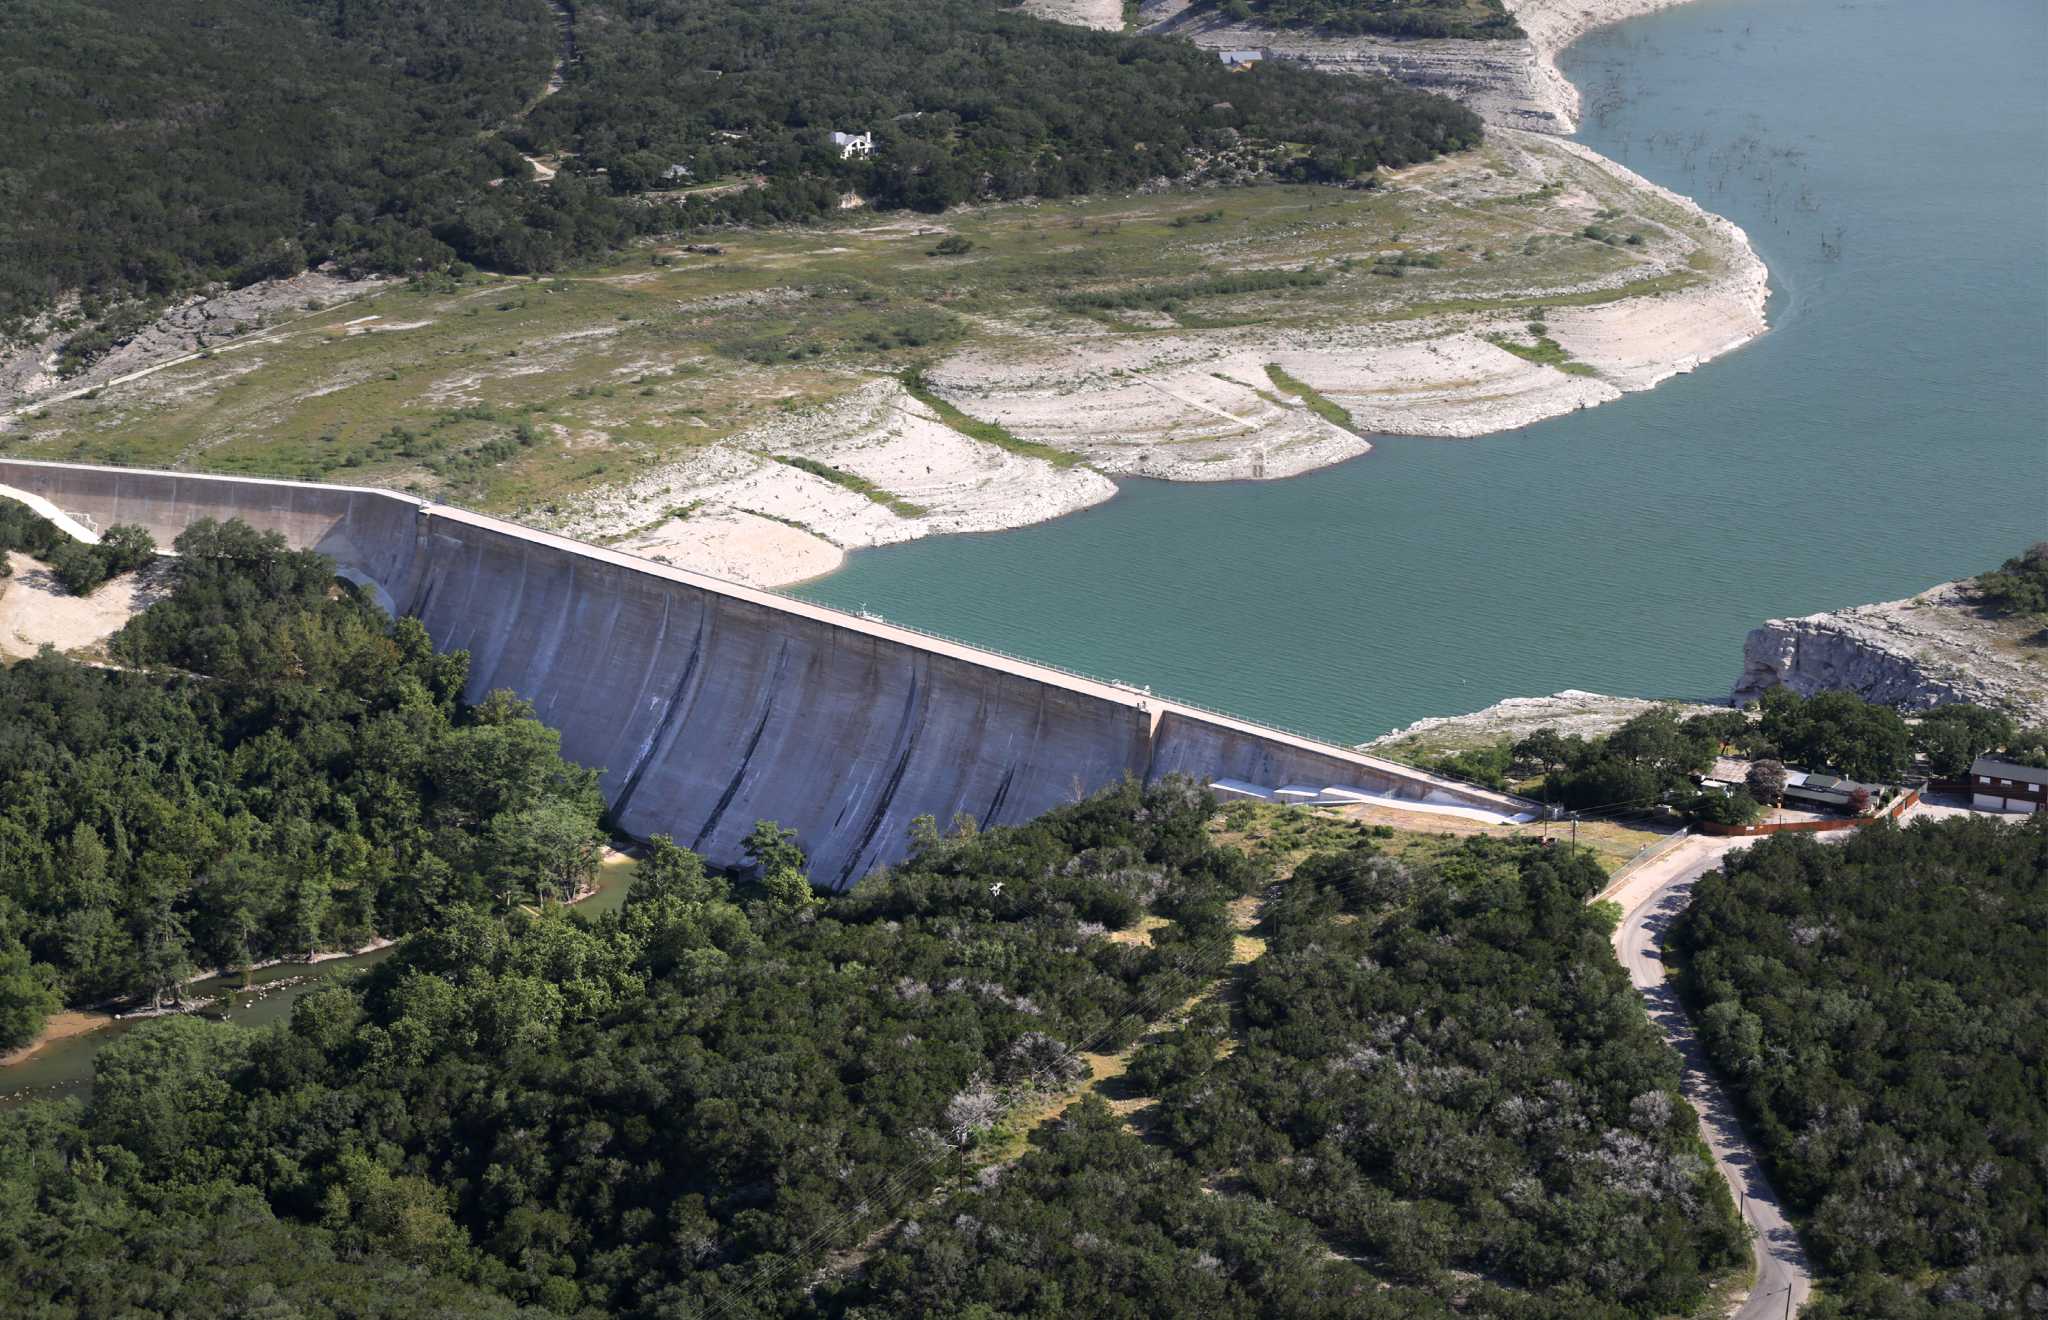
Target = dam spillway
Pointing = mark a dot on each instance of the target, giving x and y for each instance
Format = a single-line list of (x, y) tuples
[(708, 705)]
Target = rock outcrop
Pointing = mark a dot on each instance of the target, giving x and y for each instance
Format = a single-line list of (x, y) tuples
[(1586, 714), (1929, 650)]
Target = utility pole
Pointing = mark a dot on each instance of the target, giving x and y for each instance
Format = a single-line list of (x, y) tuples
[(1575, 829)]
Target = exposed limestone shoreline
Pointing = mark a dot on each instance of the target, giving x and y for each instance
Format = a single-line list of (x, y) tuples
[(744, 515), (1927, 650), (1932, 649), (1198, 406), (1135, 394), (1586, 714), (219, 321)]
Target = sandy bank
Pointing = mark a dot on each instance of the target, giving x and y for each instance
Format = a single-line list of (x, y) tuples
[(35, 611), (61, 1025)]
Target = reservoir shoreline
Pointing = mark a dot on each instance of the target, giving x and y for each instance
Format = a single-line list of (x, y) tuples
[(1436, 381), (1885, 436)]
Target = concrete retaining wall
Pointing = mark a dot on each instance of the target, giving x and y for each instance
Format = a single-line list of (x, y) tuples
[(709, 705)]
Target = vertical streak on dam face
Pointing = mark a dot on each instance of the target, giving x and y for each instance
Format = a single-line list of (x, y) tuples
[(708, 706)]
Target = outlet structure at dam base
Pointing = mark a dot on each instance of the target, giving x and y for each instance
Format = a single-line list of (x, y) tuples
[(708, 705)]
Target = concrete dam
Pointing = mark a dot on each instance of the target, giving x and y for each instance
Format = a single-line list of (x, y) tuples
[(709, 705)]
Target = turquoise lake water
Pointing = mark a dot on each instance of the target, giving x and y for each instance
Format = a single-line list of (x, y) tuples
[(1889, 160)]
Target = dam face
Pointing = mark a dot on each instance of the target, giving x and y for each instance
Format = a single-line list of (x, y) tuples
[(708, 705)]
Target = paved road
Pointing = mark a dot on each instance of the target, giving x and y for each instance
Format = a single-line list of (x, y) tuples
[(1653, 899)]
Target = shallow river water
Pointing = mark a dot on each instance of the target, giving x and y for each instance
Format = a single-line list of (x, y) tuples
[(65, 1068), (1889, 162)]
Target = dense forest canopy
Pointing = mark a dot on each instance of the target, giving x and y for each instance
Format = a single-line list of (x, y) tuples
[(155, 147), (1486, 20), (305, 777), (1877, 1006), (736, 1098), (965, 99)]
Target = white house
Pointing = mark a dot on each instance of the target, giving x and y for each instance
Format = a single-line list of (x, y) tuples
[(2003, 786), (854, 144), (1240, 59)]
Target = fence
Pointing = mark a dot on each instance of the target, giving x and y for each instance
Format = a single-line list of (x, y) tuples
[(1646, 854), (1910, 797)]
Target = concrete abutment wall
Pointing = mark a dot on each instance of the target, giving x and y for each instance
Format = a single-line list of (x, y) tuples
[(709, 705)]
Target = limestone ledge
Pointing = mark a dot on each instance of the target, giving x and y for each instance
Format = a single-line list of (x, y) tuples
[(1927, 650)]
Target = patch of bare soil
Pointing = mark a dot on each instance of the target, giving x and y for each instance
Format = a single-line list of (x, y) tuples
[(36, 611), (1107, 15)]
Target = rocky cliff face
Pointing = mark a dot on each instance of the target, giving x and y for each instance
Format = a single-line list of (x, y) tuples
[(1930, 650)]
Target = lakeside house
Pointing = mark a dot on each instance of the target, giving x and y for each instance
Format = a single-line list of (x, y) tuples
[(1806, 790), (853, 145), (1997, 785)]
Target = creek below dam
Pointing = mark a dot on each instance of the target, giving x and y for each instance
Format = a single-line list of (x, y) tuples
[(1889, 432)]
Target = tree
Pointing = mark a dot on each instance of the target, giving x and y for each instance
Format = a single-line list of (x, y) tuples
[(1766, 781), (789, 890), (126, 547), (78, 568), (304, 915), (28, 995), (772, 848), (1839, 730), (1951, 737), (1544, 750), (1728, 728), (163, 957), (551, 848), (2028, 747), (2019, 585), (669, 871), (1714, 806)]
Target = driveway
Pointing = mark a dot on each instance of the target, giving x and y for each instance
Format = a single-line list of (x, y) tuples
[(1652, 900)]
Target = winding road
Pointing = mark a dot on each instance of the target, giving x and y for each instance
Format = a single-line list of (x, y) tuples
[(1653, 898)]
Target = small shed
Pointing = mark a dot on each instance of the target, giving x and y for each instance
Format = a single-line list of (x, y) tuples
[(1240, 59), (1997, 785)]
